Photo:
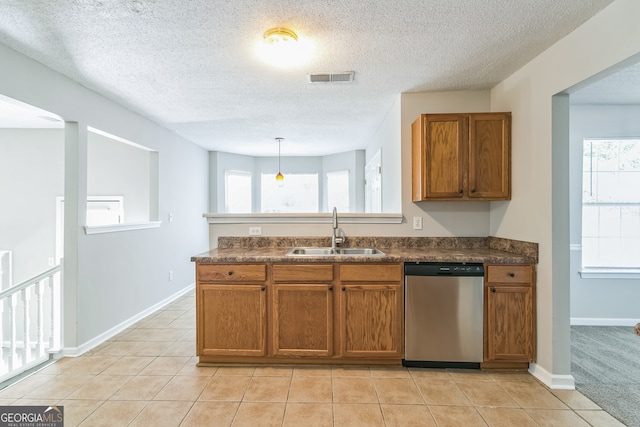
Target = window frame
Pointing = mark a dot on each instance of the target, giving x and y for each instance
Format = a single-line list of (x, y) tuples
[(234, 172), (590, 269)]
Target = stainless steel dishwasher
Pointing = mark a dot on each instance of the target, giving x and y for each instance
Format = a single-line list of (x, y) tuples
[(443, 315)]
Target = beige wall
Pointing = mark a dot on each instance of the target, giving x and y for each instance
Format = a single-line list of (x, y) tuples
[(538, 210)]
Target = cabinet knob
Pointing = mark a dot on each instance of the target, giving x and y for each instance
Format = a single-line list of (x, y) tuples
[(493, 290), (460, 191), (263, 288), (512, 275), (344, 289), (330, 288), (473, 191), (230, 273)]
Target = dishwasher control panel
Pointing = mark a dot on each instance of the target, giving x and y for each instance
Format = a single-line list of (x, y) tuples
[(443, 269)]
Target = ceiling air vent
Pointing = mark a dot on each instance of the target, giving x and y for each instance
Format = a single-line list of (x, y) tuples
[(346, 76)]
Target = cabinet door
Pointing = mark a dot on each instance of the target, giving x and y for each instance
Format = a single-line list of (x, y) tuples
[(445, 137), (371, 317), (303, 319), (438, 157), (231, 320), (510, 317), (489, 158)]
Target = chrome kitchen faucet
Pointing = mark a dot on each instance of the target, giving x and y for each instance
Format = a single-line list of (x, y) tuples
[(335, 240)]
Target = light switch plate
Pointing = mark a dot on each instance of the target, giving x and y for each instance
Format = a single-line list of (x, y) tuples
[(417, 223), (255, 231)]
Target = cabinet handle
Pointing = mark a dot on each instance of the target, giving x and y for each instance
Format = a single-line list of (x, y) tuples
[(263, 288), (493, 290), (230, 273), (512, 275)]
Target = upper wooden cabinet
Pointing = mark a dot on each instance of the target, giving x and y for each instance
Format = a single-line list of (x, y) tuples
[(461, 157)]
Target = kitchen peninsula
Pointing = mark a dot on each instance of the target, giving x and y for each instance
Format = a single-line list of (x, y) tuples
[(256, 304)]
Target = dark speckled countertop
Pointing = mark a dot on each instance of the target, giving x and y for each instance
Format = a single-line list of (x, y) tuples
[(396, 249)]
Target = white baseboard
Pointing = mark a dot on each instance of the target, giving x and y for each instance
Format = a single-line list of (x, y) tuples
[(78, 351), (558, 382), (601, 321)]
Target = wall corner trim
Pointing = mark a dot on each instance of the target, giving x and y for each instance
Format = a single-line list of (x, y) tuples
[(553, 381)]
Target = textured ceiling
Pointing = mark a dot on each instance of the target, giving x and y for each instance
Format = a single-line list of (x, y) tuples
[(191, 65), (622, 87)]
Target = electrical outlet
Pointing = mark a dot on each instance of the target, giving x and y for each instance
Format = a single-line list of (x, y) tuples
[(417, 223), (170, 216), (255, 231), (170, 275), (50, 261)]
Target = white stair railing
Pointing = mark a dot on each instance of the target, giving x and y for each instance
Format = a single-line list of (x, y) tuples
[(30, 328)]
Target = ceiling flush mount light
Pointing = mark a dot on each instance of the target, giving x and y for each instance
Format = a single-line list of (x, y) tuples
[(280, 47), (279, 177), (280, 35)]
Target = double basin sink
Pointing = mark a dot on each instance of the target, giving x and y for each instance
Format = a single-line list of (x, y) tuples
[(319, 251)]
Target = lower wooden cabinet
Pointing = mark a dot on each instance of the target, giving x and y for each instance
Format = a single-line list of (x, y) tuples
[(290, 311), (231, 309), (509, 315), (372, 320), (372, 310), (302, 320), (232, 320)]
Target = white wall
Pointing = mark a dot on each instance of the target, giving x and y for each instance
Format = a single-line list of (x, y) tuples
[(388, 139), (598, 301), (112, 278), (31, 177), (539, 209)]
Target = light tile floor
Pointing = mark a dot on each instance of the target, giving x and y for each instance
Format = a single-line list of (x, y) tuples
[(147, 376)]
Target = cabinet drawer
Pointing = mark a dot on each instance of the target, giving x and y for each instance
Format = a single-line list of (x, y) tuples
[(509, 273), (231, 272), (371, 272), (303, 273)]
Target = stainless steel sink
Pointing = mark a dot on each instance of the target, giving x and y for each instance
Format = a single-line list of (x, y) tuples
[(359, 251), (313, 251)]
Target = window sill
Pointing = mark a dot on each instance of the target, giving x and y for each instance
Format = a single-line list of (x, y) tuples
[(115, 228), (320, 218), (610, 273)]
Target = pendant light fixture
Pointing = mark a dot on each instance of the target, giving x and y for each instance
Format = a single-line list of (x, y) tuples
[(279, 177)]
